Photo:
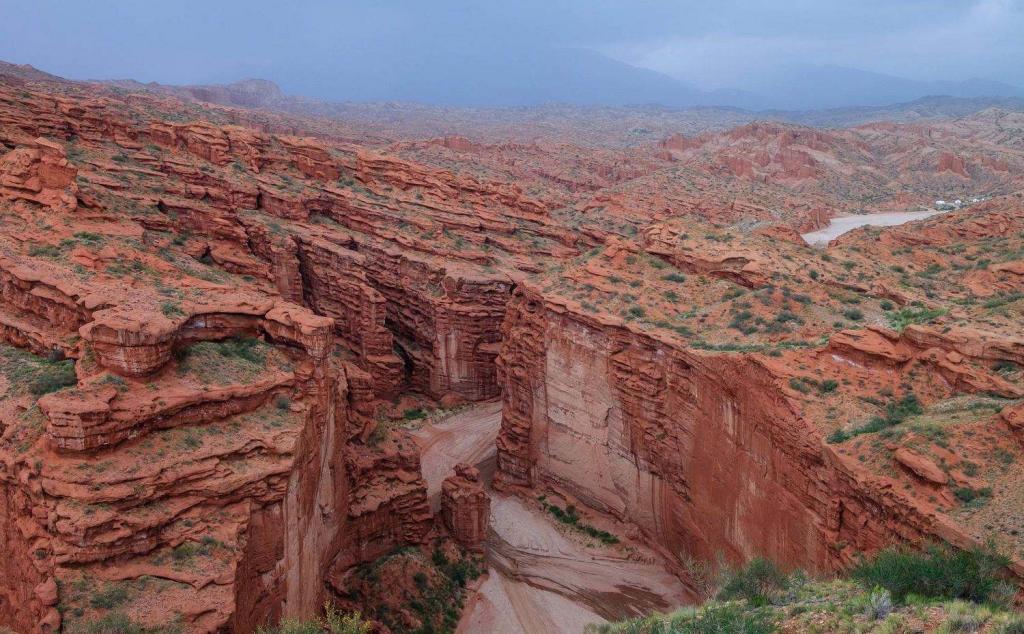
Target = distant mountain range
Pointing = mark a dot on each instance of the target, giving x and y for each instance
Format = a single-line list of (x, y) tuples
[(818, 96), (493, 77), (820, 87)]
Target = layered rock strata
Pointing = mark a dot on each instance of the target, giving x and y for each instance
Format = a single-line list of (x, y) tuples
[(706, 452), (466, 507)]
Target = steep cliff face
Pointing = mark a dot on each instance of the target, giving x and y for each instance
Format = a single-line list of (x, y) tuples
[(416, 325), (705, 452), (245, 511)]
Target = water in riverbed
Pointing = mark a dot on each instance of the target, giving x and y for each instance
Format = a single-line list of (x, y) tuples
[(841, 224)]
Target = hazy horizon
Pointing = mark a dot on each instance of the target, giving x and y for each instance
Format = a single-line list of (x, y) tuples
[(753, 54)]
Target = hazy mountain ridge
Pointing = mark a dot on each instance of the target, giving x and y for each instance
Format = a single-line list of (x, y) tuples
[(593, 125)]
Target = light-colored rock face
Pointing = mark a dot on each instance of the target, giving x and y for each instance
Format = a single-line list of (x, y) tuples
[(581, 436), (705, 452), (638, 434)]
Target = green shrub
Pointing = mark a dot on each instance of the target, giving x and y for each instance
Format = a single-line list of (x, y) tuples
[(711, 619), (968, 495), (109, 597), (896, 411), (248, 349), (900, 319), (171, 309), (853, 314), (965, 617), (838, 436), (1005, 367), (757, 582), (52, 376), (337, 623), (293, 626), (827, 386), (414, 414), (570, 517), (938, 572), (46, 251), (799, 385), (34, 374), (1011, 624), (726, 618)]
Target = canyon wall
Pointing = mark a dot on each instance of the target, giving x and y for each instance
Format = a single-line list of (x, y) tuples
[(166, 449), (705, 452)]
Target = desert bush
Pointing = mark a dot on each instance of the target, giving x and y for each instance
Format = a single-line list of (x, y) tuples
[(711, 619), (938, 571), (900, 319), (109, 597), (52, 376), (879, 604), (758, 582), (337, 622)]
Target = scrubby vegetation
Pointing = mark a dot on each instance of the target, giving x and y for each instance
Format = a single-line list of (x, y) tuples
[(32, 374), (899, 590), (896, 411), (118, 623), (231, 360), (940, 572), (413, 590), (569, 516), (333, 622)]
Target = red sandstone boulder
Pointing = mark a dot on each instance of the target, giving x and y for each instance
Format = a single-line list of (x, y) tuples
[(921, 466), (1013, 416)]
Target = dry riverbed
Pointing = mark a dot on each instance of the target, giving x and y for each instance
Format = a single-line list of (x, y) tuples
[(543, 576)]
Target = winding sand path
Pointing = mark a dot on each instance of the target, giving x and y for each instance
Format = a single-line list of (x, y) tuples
[(539, 579), (467, 436)]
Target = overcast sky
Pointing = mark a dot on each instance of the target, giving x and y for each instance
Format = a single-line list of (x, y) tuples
[(712, 44)]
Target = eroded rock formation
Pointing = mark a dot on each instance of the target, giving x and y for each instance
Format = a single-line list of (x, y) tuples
[(466, 507)]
